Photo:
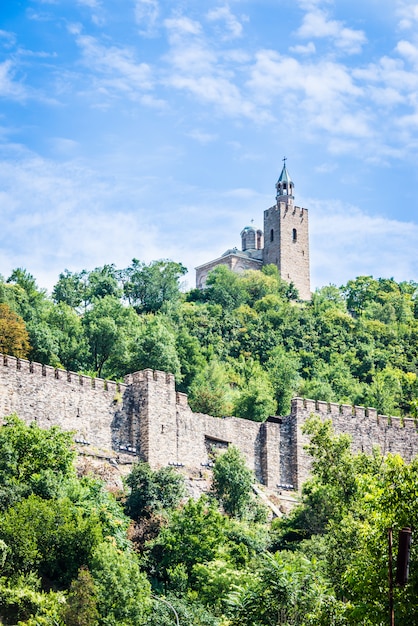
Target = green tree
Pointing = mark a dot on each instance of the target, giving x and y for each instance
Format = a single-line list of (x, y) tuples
[(155, 347), (255, 400), (232, 483), (148, 287), (71, 289), (50, 537), (110, 329), (32, 460), (224, 287), (153, 490), (210, 391), (193, 535), (81, 606), (123, 591)]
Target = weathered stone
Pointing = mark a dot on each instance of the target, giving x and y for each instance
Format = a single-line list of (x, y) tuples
[(145, 418)]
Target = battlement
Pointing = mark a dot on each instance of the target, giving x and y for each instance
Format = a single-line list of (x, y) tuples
[(46, 371), (287, 207), (332, 409), (146, 417)]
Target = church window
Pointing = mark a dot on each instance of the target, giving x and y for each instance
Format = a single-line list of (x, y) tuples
[(295, 235), (272, 235)]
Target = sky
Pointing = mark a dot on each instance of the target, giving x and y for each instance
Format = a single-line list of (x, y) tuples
[(156, 129)]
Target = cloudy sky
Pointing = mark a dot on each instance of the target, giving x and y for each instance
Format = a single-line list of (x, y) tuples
[(157, 128)]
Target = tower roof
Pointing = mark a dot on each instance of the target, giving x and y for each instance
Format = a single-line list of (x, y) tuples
[(284, 176)]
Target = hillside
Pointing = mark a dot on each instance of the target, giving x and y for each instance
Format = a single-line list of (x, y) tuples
[(242, 346)]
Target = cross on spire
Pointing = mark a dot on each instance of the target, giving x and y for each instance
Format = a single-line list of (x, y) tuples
[(284, 160)]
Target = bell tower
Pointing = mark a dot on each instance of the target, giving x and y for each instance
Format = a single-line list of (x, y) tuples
[(286, 237)]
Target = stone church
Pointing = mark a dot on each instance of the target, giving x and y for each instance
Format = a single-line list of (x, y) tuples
[(284, 242)]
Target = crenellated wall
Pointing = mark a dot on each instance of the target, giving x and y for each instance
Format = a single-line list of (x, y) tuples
[(145, 418), (366, 428)]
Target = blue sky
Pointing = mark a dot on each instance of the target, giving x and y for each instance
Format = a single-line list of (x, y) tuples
[(156, 129)]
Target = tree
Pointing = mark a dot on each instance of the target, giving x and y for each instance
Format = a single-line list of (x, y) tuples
[(50, 537), (152, 491), (81, 607), (210, 392), (110, 329), (32, 460), (224, 287), (123, 591), (148, 287), (14, 338), (255, 397), (193, 535), (155, 347), (71, 288), (232, 482)]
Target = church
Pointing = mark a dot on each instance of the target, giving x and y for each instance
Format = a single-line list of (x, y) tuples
[(284, 242)]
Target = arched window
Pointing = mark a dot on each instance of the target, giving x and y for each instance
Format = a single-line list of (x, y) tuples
[(295, 235), (272, 235)]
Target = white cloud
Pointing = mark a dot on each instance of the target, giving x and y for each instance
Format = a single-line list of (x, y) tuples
[(408, 50), (180, 26), (146, 15), (195, 67), (408, 14), (70, 223), (233, 26), (316, 24), (9, 88), (8, 38), (346, 242), (203, 137), (308, 49), (114, 70)]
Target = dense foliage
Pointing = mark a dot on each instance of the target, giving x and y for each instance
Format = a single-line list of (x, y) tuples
[(244, 345), (69, 556), (72, 553)]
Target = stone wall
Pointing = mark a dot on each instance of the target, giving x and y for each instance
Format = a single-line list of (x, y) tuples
[(141, 418), (366, 428), (144, 418)]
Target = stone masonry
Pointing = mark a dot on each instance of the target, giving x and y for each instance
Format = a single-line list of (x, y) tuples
[(144, 418)]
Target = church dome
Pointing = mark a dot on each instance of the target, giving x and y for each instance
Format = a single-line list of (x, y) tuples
[(251, 238)]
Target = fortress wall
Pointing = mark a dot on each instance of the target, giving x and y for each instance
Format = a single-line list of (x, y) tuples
[(51, 396), (155, 418), (199, 435), (145, 418), (366, 428)]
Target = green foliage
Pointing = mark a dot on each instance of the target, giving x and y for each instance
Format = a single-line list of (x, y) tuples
[(255, 400), (232, 482), (122, 590), (192, 536), (32, 460), (51, 537), (152, 491), (155, 347), (81, 606), (210, 392), (149, 287), (23, 603)]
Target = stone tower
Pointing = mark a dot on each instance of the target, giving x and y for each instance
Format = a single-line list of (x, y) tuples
[(286, 237)]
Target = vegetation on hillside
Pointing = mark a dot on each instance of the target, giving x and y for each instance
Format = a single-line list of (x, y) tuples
[(74, 554), (70, 555), (244, 345)]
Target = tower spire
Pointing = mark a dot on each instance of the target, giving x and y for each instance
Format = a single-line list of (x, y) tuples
[(284, 185)]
